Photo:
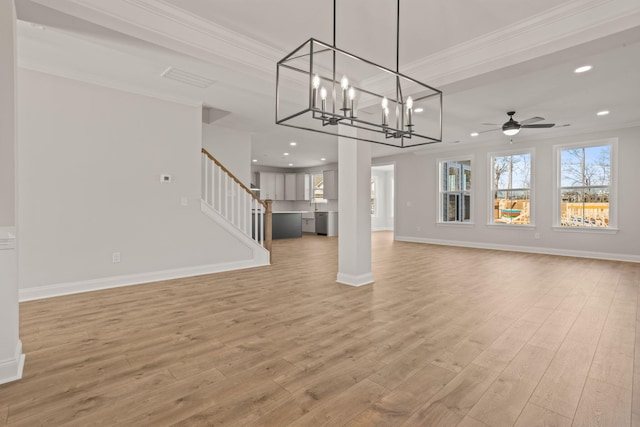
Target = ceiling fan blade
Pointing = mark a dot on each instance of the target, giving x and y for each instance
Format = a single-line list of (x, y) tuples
[(491, 124), (490, 130), (540, 125), (532, 120)]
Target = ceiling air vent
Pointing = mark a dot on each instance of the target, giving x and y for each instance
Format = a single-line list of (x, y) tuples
[(187, 77)]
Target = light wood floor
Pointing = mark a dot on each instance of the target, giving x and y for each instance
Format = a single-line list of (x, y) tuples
[(446, 336)]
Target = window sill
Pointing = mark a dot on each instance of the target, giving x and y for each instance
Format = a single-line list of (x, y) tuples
[(593, 230), (456, 224), (513, 226)]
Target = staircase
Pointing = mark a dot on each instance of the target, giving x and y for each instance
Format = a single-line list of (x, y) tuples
[(231, 204)]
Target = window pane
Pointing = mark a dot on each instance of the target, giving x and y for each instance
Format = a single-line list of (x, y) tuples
[(512, 207), (501, 172), (466, 208), (585, 166), (318, 186), (521, 171), (585, 208), (571, 167), (466, 178), (597, 165), (452, 207), (453, 177)]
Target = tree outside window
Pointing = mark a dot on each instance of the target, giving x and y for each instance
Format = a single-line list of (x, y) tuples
[(585, 179), (511, 188)]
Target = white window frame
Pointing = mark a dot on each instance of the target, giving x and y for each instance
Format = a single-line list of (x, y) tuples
[(532, 199), (613, 186), (439, 165)]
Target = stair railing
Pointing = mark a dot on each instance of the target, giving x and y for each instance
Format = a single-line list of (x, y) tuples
[(229, 197)]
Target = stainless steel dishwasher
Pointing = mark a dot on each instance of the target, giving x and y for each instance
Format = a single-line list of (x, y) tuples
[(322, 219)]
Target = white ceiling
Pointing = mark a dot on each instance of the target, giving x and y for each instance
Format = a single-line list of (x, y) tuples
[(488, 57)]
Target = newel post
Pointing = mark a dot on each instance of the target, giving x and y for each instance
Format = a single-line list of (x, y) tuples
[(267, 225)]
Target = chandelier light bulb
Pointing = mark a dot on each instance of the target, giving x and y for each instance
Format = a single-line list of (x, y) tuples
[(385, 103), (315, 84), (344, 83), (323, 102), (352, 96), (409, 112)]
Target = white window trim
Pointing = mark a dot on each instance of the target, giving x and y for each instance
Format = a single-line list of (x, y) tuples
[(532, 205), (613, 187), (471, 159)]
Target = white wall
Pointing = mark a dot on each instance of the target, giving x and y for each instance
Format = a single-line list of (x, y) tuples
[(90, 160), (417, 202), (11, 358), (231, 147)]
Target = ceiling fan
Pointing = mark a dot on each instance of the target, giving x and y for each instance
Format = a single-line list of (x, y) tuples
[(512, 127)]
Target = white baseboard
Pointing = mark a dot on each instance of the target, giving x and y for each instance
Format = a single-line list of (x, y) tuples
[(381, 228), (527, 249), (352, 280), (11, 369), (39, 292)]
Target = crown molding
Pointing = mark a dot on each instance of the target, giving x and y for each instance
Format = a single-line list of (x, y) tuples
[(564, 26)]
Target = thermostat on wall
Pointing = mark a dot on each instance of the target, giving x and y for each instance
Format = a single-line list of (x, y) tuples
[(165, 178)]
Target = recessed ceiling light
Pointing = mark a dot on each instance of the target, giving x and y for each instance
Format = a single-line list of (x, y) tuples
[(292, 143), (290, 164), (582, 69), (323, 159), (418, 110), (474, 134), (603, 112), (286, 154), (254, 160)]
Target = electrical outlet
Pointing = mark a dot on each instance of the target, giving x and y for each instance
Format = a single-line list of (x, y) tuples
[(184, 201), (115, 257), (419, 228), (536, 236)]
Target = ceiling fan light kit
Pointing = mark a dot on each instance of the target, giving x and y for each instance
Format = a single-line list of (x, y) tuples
[(320, 87), (513, 127)]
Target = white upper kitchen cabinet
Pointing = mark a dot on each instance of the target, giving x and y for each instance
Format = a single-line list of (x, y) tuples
[(330, 185)]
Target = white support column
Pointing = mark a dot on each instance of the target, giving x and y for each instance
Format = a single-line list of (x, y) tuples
[(354, 206), (11, 357)]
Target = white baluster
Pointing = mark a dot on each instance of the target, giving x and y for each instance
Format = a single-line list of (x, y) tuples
[(219, 186), (203, 176)]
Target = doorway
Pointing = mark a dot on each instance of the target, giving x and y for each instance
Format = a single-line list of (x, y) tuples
[(382, 197)]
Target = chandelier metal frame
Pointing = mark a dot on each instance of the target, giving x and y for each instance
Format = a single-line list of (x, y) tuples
[(403, 134)]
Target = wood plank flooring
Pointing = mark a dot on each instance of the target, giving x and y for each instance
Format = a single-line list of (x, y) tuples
[(445, 337)]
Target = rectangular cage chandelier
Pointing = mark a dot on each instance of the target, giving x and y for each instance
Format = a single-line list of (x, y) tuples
[(320, 87)]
